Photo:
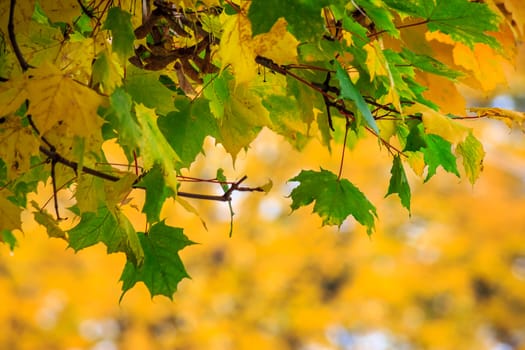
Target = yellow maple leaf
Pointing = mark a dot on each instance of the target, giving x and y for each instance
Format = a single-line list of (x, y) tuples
[(56, 99), (278, 44), (416, 160), (238, 49), (154, 148), (9, 213), (483, 63), (18, 145), (511, 118), (442, 92), (375, 60), (235, 49), (12, 95), (439, 124)]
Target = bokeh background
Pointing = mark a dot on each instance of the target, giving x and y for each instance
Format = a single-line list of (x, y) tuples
[(451, 275)]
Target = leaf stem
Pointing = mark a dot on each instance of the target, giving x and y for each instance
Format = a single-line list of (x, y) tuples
[(347, 126)]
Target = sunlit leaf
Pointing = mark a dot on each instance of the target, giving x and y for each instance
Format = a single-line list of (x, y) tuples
[(472, 152), (439, 124), (154, 147)]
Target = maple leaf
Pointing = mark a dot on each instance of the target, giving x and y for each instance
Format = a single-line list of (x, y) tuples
[(118, 22), (472, 152), (156, 193), (186, 129), (154, 147), (122, 121), (303, 17), (162, 269), (510, 117), (349, 91), (439, 124), (9, 213), (107, 72), (238, 49), (335, 199), (19, 144), (158, 97), (46, 220), (399, 183), (438, 152), (109, 227), (58, 102)]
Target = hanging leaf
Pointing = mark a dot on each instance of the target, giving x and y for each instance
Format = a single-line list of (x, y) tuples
[(335, 199), (162, 269), (472, 152), (399, 183)]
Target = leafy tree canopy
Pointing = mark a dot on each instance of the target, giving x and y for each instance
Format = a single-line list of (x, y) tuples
[(159, 79)]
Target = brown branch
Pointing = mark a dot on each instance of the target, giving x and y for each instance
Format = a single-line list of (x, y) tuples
[(56, 157), (12, 37), (373, 35)]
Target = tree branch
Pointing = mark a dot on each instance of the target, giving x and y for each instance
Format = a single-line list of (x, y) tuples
[(11, 32)]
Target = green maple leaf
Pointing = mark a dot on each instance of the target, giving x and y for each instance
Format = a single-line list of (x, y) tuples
[(303, 17), (156, 193), (122, 122), (187, 128), (399, 183), (465, 21), (349, 91), (145, 87), (109, 227), (335, 199), (162, 269), (472, 152), (106, 72), (118, 22), (429, 64), (438, 152)]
